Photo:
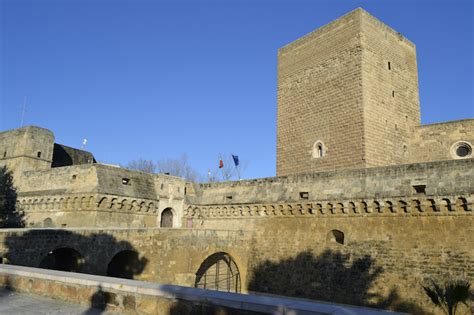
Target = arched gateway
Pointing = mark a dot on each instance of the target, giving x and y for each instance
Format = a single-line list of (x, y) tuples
[(218, 272)]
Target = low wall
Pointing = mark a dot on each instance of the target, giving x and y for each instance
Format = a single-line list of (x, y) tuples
[(138, 297)]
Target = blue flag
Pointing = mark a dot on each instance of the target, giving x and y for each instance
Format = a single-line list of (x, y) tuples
[(236, 159)]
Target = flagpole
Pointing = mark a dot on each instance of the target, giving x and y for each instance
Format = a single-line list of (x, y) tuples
[(238, 170), (222, 168)]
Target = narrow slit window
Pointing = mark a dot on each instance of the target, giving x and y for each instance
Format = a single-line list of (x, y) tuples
[(420, 189), (304, 195), (5, 154), (393, 93), (389, 66), (38, 154)]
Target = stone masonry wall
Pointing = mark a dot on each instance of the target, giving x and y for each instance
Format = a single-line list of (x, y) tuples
[(27, 148), (435, 142), (390, 93), (94, 195), (320, 98), (171, 256), (394, 237), (442, 178)]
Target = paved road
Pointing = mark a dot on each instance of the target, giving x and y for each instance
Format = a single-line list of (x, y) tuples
[(14, 303)]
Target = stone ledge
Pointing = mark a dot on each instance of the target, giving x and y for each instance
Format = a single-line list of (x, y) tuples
[(156, 297)]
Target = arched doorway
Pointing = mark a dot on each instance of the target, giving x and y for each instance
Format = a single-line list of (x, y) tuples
[(167, 218), (126, 264), (63, 259), (218, 272)]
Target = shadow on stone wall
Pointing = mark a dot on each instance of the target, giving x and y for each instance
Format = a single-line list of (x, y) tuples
[(64, 250), (331, 276), (10, 217)]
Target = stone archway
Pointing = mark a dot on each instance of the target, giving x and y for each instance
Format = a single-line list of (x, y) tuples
[(126, 264), (167, 218), (63, 259), (219, 272)]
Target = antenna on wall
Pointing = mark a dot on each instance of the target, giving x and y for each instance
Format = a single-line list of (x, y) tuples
[(23, 110)]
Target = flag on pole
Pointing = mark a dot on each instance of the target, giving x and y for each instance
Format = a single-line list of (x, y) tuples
[(221, 163), (236, 159)]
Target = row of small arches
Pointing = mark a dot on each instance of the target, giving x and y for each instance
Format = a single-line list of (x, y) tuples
[(218, 271), (351, 207), (88, 203)]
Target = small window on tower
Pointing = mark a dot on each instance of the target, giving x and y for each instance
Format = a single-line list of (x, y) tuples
[(393, 93), (38, 154), (5, 154), (304, 195), (318, 150), (389, 66)]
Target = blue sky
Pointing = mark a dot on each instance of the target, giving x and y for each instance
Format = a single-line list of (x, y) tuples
[(156, 79)]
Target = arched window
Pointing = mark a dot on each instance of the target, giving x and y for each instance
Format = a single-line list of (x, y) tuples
[(63, 259), (167, 218), (318, 150), (126, 264), (48, 223), (336, 236), (218, 272)]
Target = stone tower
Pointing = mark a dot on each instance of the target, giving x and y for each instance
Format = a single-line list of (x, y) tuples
[(347, 97), (27, 148)]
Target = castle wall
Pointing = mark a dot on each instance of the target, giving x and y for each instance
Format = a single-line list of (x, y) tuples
[(394, 238), (390, 93), (94, 195), (381, 262), (66, 156), (440, 178), (320, 98), (165, 255), (437, 141), (27, 148)]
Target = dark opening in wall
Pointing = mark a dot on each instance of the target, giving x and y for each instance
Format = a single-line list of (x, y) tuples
[(420, 189), (393, 93), (5, 154), (126, 264), (74, 176), (389, 66), (126, 181), (463, 150), (162, 186), (336, 236), (38, 154), (304, 195), (63, 259), (167, 218), (228, 198), (4, 260)]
